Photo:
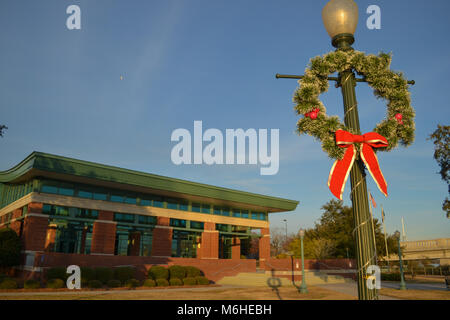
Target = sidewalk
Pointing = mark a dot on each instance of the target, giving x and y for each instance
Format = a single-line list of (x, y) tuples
[(349, 288)]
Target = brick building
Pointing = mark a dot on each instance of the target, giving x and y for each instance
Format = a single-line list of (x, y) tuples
[(69, 211)]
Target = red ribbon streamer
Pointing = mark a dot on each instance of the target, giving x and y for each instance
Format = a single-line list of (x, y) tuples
[(341, 168)]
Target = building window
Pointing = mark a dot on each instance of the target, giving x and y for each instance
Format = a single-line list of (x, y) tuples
[(206, 208), (100, 196), (185, 244), (178, 223), (197, 225), (196, 207), (49, 189), (84, 194), (66, 236), (116, 198), (124, 217), (146, 220)]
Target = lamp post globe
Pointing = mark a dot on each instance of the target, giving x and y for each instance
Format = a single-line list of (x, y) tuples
[(340, 18), (402, 276)]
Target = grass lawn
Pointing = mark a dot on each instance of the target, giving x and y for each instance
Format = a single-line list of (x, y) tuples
[(213, 293)]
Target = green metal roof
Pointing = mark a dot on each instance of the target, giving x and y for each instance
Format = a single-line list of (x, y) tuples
[(39, 164)]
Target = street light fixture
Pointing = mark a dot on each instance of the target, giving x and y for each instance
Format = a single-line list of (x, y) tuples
[(285, 235), (402, 277), (340, 18), (303, 288)]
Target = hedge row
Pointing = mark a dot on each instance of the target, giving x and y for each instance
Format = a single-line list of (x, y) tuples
[(101, 274), (390, 277), (115, 277), (174, 272)]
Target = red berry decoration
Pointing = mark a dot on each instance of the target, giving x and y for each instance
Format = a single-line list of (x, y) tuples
[(313, 115), (399, 118)]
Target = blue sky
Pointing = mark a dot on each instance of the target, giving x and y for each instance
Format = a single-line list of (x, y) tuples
[(215, 61)]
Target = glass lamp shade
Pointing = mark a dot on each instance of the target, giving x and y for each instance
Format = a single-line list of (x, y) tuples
[(301, 232), (340, 17)]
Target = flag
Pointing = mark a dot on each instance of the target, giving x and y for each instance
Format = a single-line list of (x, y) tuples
[(382, 214), (374, 204)]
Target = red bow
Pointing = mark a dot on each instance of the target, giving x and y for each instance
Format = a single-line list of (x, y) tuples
[(341, 168)]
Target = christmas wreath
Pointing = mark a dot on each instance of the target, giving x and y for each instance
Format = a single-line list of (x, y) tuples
[(340, 142), (397, 127)]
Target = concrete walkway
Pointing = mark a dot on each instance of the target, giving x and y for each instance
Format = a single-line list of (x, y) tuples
[(349, 288), (104, 292)]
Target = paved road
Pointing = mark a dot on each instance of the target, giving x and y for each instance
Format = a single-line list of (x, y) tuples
[(351, 287), (415, 286)]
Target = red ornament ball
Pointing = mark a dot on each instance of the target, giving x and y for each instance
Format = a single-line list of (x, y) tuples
[(399, 116), (313, 114)]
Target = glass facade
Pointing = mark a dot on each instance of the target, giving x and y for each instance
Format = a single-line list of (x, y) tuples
[(185, 243), (98, 193), (70, 236)]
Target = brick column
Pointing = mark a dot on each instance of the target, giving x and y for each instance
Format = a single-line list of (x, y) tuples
[(50, 238), (162, 238), (264, 244), (236, 248), (16, 224), (135, 239), (35, 228), (104, 234), (209, 247)]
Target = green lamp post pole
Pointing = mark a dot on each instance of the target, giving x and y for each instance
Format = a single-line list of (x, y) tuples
[(402, 276), (303, 288), (340, 18)]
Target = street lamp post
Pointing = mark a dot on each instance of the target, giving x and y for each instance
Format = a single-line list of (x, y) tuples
[(340, 18), (303, 288), (402, 276), (285, 234)]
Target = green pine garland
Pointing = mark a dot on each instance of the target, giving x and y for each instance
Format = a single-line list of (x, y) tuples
[(387, 84)]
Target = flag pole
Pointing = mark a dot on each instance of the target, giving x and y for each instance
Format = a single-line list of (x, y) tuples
[(385, 239), (373, 230)]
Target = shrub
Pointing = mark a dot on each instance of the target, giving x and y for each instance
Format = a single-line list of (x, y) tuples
[(390, 277), (123, 274), (158, 272), (149, 283), (177, 272), (202, 280), (113, 283), (192, 272), (55, 284), (32, 284), (132, 283), (175, 282), (8, 284), (3, 277), (189, 281), (87, 274), (162, 282), (57, 273), (103, 274), (10, 246), (95, 284)]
